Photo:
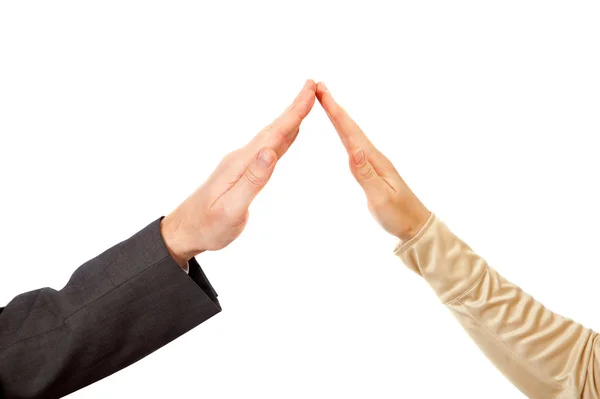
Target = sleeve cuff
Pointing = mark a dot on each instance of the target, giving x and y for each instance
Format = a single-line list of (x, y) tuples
[(403, 246), (446, 262), (197, 274), (148, 247)]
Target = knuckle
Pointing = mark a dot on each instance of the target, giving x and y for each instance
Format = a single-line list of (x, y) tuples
[(386, 162), (366, 172), (336, 113), (236, 219), (295, 114), (281, 137), (254, 178), (242, 219), (378, 201), (229, 213), (217, 213)]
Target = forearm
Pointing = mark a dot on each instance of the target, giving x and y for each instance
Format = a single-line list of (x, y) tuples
[(544, 354), (116, 308)]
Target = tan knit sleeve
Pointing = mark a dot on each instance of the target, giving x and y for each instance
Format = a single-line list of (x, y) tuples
[(542, 353)]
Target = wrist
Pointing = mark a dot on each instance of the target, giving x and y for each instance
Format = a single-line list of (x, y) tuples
[(415, 225), (176, 240)]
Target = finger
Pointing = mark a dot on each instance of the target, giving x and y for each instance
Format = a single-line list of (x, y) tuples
[(255, 177), (282, 132), (364, 173), (350, 133), (277, 136)]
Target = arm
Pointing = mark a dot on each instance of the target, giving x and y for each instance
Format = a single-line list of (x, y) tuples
[(116, 308), (541, 353), (134, 298)]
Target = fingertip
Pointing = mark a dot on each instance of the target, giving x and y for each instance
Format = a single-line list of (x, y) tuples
[(322, 92), (321, 86), (305, 103), (320, 89), (308, 91), (310, 85)]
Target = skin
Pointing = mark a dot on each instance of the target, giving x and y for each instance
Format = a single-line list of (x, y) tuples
[(391, 202), (217, 212)]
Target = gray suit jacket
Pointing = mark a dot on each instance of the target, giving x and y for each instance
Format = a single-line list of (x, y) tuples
[(116, 308)]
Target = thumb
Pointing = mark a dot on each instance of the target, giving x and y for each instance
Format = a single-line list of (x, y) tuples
[(255, 177), (364, 173)]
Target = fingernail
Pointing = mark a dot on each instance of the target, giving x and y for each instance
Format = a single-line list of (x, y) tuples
[(324, 87), (359, 157), (265, 158)]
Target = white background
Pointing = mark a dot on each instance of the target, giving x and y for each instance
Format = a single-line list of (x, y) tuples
[(112, 112)]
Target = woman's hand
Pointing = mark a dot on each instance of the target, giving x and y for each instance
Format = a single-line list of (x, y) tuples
[(217, 212), (390, 200)]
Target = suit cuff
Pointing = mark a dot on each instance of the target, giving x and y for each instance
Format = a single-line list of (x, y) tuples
[(147, 247)]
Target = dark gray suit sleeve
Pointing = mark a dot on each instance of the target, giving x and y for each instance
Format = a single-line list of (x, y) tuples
[(116, 308)]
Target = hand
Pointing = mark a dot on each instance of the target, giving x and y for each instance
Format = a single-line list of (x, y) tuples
[(390, 200), (217, 212)]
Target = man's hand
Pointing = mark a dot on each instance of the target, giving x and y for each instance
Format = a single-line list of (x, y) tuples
[(217, 212), (390, 200)]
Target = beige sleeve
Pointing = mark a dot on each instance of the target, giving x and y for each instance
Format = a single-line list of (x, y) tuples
[(543, 354)]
